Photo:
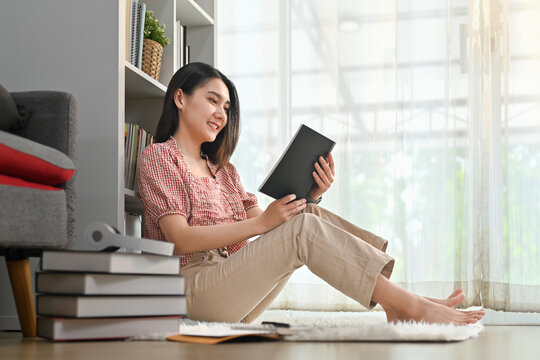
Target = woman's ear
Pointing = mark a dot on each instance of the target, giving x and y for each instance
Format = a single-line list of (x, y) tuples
[(179, 98)]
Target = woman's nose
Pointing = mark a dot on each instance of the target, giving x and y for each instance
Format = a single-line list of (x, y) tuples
[(221, 113)]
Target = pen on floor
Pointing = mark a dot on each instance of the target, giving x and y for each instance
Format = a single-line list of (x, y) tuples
[(276, 324), (265, 325)]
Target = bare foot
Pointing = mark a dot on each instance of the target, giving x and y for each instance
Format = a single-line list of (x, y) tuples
[(454, 299), (402, 305), (391, 316), (431, 312)]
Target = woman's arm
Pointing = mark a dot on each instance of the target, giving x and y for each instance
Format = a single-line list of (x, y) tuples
[(254, 212), (189, 239)]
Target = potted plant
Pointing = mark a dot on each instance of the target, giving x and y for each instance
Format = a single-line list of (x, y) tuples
[(153, 43)]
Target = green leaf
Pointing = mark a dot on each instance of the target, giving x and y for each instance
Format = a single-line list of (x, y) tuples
[(153, 30)]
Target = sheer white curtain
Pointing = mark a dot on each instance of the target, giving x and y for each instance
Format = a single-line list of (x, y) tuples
[(435, 107)]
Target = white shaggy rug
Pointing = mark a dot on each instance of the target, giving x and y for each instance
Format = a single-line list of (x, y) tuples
[(344, 326), (367, 326)]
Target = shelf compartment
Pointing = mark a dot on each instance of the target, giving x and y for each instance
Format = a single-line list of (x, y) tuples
[(192, 14), (133, 203), (140, 85)]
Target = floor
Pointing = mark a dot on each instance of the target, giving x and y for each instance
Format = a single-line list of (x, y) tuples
[(496, 342)]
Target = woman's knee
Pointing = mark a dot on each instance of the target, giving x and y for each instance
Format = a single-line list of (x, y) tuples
[(311, 209), (304, 219)]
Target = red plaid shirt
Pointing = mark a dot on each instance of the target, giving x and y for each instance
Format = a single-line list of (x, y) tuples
[(167, 186)]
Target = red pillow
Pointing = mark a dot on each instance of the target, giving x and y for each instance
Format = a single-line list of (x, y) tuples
[(28, 160), (11, 181)]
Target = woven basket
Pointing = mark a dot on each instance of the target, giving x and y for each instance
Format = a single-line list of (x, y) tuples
[(151, 58)]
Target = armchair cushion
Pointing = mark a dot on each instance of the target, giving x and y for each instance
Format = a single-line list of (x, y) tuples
[(12, 116), (32, 218), (34, 162)]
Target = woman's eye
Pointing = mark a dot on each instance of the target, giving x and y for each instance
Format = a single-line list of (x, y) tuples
[(213, 100)]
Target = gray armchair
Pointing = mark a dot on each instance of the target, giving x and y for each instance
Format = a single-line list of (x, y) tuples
[(34, 218)]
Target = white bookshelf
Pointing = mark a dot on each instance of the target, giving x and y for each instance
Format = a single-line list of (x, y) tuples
[(133, 202), (86, 56), (139, 85), (192, 14), (143, 95)]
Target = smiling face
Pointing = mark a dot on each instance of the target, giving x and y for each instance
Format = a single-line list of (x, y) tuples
[(203, 114)]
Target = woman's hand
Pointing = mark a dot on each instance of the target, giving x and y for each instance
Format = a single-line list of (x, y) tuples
[(279, 211), (323, 175)]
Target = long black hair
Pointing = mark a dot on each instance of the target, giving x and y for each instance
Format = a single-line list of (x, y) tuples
[(188, 78)]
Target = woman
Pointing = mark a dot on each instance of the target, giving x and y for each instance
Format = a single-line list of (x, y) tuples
[(193, 198)]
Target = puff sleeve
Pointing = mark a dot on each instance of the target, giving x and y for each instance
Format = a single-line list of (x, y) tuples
[(162, 184)]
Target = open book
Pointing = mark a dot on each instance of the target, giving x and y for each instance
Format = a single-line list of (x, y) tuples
[(292, 173), (214, 333)]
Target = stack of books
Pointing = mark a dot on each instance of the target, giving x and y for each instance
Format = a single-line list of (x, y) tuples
[(108, 295)]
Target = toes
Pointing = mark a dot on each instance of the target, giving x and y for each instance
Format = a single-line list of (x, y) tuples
[(475, 312), (455, 293), (456, 300)]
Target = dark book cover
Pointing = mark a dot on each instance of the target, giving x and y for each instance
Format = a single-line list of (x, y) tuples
[(292, 173)]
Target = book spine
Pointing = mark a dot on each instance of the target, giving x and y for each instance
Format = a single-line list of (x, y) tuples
[(127, 25), (141, 145), (180, 45), (133, 155), (127, 153), (140, 32), (184, 45), (133, 32)]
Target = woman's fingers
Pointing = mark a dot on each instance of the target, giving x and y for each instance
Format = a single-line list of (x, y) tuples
[(287, 199), (296, 206), (322, 175), (331, 164), (325, 172), (319, 181), (326, 166), (288, 207)]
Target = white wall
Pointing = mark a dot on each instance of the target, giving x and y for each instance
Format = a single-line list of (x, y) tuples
[(73, 46)]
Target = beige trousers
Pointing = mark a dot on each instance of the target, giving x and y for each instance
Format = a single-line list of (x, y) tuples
[(242, 286)]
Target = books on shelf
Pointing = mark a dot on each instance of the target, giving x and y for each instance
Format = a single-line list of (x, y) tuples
[(182, 47), (180, 44), (65, 329), (109, 262), (137, 16), (104, 295), (136, 139)]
